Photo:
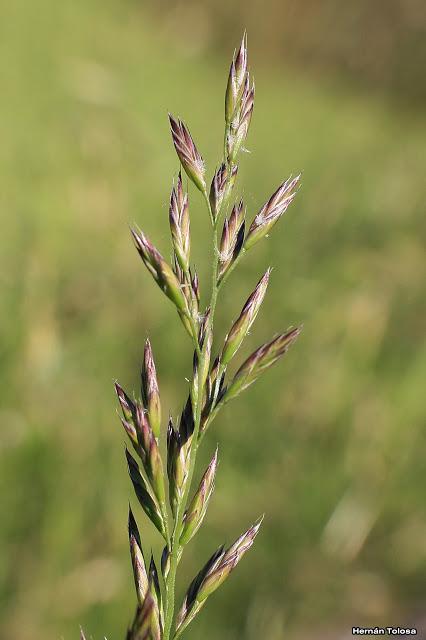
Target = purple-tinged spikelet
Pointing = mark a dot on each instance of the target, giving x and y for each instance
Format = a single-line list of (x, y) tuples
[(178, 451), (150, 455), (232, 238), (160, 270), (245, 320), (213, 574), (180, 224), (149, 388), (187, 152), (241, 122), (236, 78), (138, 560), (263, 358), (272, 211), (147, 502), (194, 515), (239, 103), (128, 407), (220, 186), (144, 626)]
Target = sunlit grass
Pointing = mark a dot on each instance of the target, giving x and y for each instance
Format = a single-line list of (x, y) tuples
[(84, 150)]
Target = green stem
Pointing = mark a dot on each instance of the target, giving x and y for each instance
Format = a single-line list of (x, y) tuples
[(177, 530), (175, 548)]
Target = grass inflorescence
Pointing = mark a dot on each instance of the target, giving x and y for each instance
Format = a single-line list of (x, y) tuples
[(164, 490)]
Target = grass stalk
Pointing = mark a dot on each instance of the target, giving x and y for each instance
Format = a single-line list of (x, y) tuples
[(155, 617)]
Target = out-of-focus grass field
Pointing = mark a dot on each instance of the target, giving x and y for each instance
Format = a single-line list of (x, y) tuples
[(329, 444)]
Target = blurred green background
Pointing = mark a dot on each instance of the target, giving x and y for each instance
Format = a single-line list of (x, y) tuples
[(331, 443)]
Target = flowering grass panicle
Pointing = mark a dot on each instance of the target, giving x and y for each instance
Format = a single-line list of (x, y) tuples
[(164, 490)]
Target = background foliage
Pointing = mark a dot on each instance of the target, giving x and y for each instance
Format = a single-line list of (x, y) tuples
[(330, 443)]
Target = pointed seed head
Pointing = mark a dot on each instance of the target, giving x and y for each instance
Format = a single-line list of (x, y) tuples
[(159, 269), (180, 224), (213, 574), (263, 358), (127, 405), (272, 211), (142, 492), (245, 320), (150, 392), (144, 626), (197, 508), (150, 455), (228, 562), (187, 152), (178, 447), (138, 560), (232, 238), (236, 79)]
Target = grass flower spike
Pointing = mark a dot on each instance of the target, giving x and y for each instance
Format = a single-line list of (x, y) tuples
[(179, 224), (149, 389), (187, 152), (212, 575), (194, 515), (138, 560), (242, 325), (232, 238), (239, 102), (271, 211), (160, 270), (164, 487)]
